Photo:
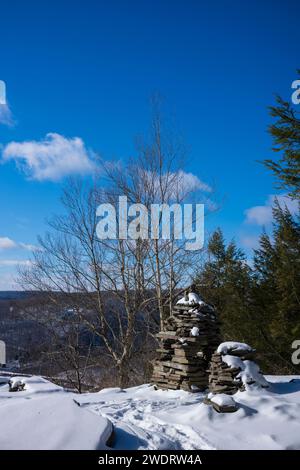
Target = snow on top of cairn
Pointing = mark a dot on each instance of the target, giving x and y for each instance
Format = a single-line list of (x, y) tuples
[(193, 299), (250, 372), (230, 346), (195, 331)]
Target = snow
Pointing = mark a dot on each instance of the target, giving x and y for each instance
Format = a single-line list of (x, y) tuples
[(46, 416), (14, 383), (250, 371), (221, 399), (230, 346), (195, 331), (182, 341), (192, 300)]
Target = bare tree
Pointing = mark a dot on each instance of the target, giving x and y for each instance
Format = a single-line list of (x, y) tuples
[(156, 176), (125, 288)]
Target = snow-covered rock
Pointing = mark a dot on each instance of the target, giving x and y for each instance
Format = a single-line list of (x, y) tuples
[(222, 403), (195, 331), (16, 385), (232, 368), (233, 346), (249, 371), (45, 417), (193, 299)]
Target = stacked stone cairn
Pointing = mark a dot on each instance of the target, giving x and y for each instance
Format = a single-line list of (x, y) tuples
[(232, 369), (190, 336)]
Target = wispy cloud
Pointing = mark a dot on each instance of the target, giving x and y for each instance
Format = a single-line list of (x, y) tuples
[(191, 182), (29, 247), (259, 215), (249, 241), (7, 243), (6, 116), (52, 158), (15, 262), (262, 215), (173, 185)]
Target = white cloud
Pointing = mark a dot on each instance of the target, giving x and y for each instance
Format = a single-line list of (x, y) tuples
[(174, 185), (15, 262), (29, 247), (259, 215), (52, 158), (191, 182), (250, 241), (6, 117), (262, 215), (7, 244)]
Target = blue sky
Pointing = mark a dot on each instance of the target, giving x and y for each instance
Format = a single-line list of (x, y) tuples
[(86, 69)]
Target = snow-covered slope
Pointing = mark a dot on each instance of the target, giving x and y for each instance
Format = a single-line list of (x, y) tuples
[(45, 416)]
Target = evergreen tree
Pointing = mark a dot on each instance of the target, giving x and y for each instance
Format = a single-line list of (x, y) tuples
[(210, 279), (276, 294), (286, 136), (225, 282), (261, 305)]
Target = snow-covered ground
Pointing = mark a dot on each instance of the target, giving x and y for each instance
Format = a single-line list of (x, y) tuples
[(44, 416)]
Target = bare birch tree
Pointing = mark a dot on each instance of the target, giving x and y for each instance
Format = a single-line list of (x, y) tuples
[(125, 288), (157, 176)]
